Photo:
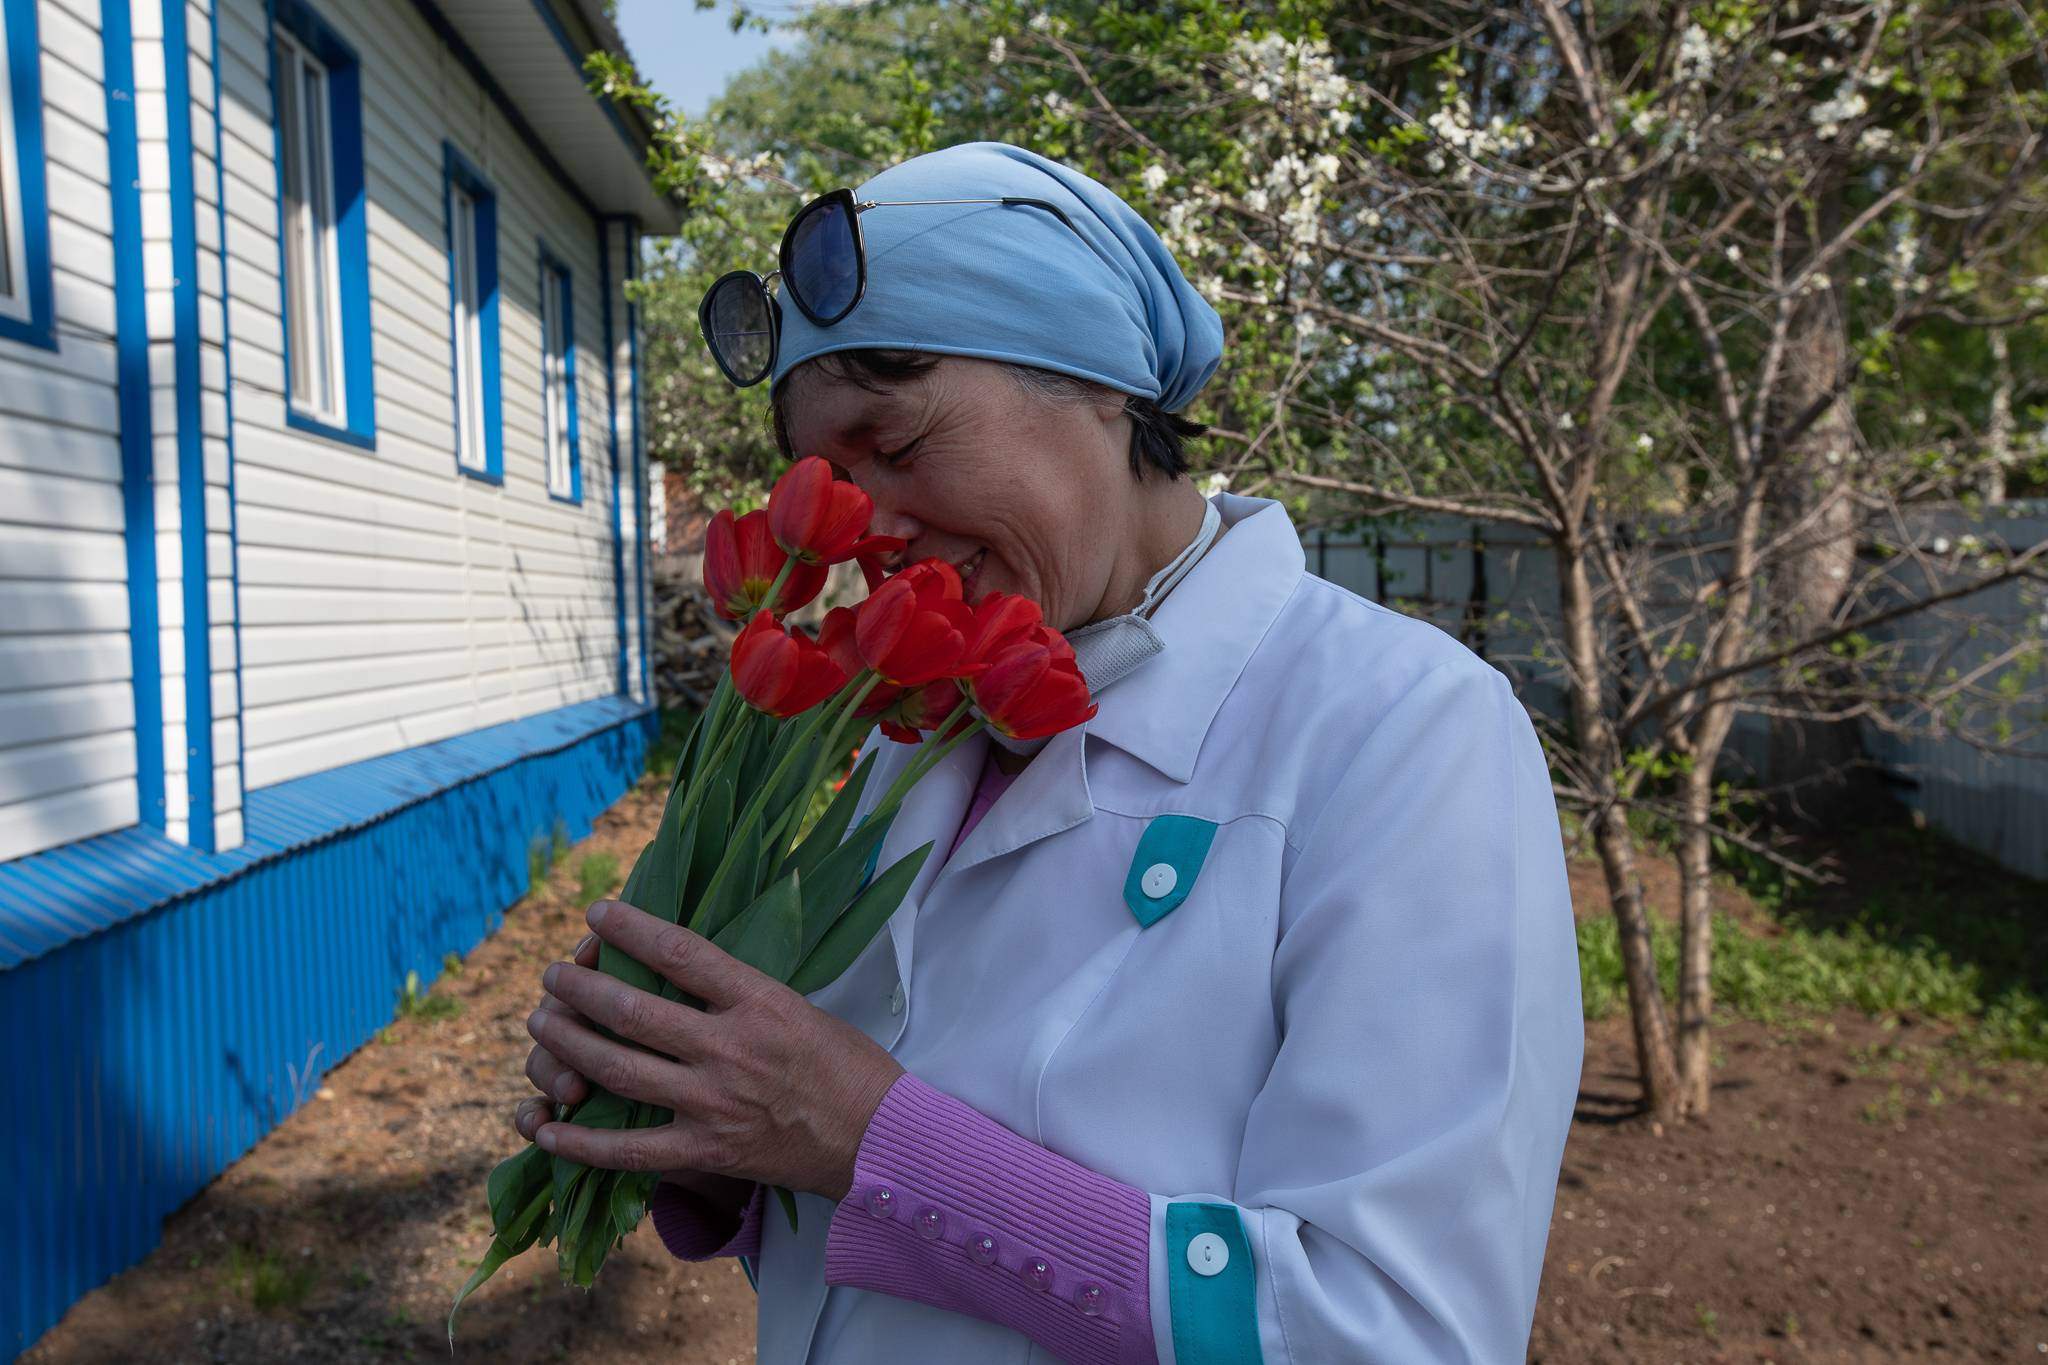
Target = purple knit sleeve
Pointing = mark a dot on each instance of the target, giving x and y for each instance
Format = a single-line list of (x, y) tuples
[(950, 1208), (695, 1229)]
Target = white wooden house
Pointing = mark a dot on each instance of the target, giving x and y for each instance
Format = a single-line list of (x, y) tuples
[(322, 521)]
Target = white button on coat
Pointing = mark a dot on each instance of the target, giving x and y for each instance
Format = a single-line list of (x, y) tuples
[(1159, 880), (1208, 1254), (1386, 881), (896, 999)]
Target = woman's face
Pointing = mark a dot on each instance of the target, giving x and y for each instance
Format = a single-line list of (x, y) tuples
[(1022, 495)]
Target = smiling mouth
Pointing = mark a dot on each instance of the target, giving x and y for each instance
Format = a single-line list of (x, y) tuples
[(970, 566)]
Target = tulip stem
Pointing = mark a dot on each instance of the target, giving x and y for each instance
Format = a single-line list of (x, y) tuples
[(841, 707), (924, 762)]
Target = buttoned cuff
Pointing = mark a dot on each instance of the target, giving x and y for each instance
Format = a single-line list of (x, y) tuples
[(950, 1208), (695, 1229)]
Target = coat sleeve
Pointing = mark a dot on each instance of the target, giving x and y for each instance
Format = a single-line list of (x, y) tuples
[(1394, 1186)]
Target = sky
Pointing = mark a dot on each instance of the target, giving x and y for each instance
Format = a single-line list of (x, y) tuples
[(688, 53)]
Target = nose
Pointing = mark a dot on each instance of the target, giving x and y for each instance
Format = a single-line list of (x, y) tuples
[(889, 520)]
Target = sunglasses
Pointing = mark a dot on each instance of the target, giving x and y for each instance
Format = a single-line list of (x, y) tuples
[(823, 268)]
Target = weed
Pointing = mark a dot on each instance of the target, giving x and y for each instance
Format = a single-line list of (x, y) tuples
[(413, 1003), (1889, 1110), (597, 876), (359, 1278), (270, 1280), (1709, 1321), (451, 963)]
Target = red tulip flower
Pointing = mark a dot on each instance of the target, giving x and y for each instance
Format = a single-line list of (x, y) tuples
[(924, 708), (741, 561), (1001, 619), (1033, 688), (822, 520), (835, 637), (782, 672), (910, 630)]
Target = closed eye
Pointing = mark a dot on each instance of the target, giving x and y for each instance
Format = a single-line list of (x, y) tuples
[(894, 457)]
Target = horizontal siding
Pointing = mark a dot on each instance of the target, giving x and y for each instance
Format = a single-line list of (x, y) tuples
[(385, 600), (67, 743)]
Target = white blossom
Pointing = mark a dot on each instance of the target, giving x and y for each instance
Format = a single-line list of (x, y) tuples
[(1830, 114), (1255, 200), (1696, 55), (1940, 545), (1565, 422), (997, 50), (1056, 104), (1645, 441), (1734, 252), (1218, 482), (1154, 178)]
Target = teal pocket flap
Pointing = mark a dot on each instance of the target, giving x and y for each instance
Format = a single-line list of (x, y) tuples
[(1215, 1315), (1164, 868)]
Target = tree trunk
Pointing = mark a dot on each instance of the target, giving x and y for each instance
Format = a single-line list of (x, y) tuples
[(1696, 938), (1654, 1053), (1998, 437), (1812, 488)]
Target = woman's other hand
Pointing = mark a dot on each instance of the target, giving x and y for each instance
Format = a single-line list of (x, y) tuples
[(557, 1083)]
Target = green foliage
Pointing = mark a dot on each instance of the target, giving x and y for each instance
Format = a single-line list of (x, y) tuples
[(1876, 964), (667, 749), (268, 1279), (414, 1003), (597, 875)]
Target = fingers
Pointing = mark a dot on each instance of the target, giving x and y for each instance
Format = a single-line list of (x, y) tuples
[(668, 1027), (667, 1148), (543, 1068), (689, 960), (623, 1070), (586, 951), (528, 1117)]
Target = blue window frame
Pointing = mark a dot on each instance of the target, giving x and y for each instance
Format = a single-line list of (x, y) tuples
[(558, 379), (471, 206), (322, 227), (25, 286)]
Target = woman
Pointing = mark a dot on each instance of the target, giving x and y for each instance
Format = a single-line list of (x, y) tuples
[(1239, 1024)]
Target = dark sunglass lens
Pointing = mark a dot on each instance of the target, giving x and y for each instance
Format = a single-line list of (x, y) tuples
[(822, 272), (737, 327)]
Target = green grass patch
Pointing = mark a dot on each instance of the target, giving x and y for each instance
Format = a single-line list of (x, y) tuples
[(1873, 964), (270, 1280), (597, 876), (414, 1003)]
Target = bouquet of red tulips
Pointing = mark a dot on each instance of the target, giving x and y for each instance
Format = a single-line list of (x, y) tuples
[(731, 859)]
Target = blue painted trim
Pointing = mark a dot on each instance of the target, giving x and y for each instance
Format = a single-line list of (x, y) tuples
[(51, 898), (604, 102), (457, 169), (160, 1036), (1180, 842), (549, 261), (298, 421), (1216, 1316), (227, 361), (478, 72), (352, 218), (197, 633), (640, 563), (611, 407), (25, 73), (131, 346)]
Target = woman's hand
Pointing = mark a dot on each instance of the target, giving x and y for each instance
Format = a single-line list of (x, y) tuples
[(764, 1085)]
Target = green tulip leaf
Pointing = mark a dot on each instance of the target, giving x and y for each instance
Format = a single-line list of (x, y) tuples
[(767, 934), (851, 933)]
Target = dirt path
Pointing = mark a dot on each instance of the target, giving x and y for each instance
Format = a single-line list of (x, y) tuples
[(1858, 1195)]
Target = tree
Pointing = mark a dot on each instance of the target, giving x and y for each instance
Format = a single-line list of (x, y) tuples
[(1666, 284)]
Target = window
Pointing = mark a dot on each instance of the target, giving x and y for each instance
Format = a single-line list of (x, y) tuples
[(312, 257), (25, 284), (558, 379), (323, 239), (472, 211)]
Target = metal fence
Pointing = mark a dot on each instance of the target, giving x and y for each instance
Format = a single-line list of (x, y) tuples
[(1495, 588)]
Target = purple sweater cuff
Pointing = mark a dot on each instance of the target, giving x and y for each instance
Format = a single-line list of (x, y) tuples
[(950, 1208), (695, 1229)]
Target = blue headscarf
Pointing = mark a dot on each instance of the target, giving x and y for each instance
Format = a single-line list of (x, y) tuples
[(1007, 282)]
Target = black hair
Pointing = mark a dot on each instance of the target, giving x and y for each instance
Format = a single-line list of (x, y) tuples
[(1157, 436)]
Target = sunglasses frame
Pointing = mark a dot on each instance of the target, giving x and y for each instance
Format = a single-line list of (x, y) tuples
[(766, 286)]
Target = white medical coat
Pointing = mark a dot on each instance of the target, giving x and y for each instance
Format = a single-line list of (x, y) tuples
[(1361, 1027)]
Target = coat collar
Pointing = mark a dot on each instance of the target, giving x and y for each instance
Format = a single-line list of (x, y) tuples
[(1211, 622)]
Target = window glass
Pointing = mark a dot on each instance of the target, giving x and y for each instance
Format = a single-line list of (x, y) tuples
[(312, 266), (469, 383), (14, 300), (555, 379)]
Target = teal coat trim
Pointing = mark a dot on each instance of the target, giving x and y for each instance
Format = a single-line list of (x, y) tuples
[(1215, 1317), (1179, 841)]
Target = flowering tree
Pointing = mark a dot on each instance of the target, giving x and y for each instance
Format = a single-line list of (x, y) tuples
[(1683, 289)]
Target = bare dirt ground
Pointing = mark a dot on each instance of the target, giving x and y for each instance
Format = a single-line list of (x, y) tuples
[(1860, 1193)]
